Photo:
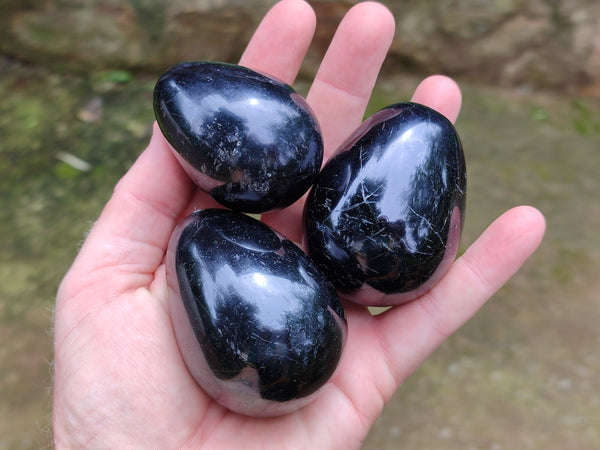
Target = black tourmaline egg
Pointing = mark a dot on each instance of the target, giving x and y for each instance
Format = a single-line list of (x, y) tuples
[(250, 141), (385, 216), (260, 327)]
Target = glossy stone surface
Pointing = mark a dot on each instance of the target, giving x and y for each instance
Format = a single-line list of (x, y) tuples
[(385, 216), (250, 141), (260, 327)]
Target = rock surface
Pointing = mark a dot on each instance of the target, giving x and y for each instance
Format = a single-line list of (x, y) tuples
[(548, 44)]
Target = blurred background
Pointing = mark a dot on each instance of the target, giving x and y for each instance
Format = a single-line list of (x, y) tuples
[(76, 83)]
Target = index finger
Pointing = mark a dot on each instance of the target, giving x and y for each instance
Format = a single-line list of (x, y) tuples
[(280, 42)]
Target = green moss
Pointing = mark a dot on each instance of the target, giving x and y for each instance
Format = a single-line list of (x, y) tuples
[(116, 76)]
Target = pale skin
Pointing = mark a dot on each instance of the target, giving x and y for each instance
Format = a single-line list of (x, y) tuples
[(120, 380)]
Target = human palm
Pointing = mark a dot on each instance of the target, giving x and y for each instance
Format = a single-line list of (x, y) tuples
[(120, 380)]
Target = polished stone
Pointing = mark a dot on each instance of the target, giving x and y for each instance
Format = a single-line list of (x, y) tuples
[(259, 325), (249, 140), (385, 216)]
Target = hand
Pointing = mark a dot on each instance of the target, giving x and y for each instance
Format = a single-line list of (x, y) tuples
[(120, 380)]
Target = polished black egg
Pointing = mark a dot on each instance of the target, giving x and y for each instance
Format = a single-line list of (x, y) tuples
[(385, 216), (249, 140), (259, 326)]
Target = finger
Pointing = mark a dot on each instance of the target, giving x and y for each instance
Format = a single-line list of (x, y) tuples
[(135, 226), (440, 93), (342, 87), (345, 79), (129, 238), (411, 332), (281, 40)]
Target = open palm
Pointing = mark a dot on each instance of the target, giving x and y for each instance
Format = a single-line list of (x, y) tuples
[(120, 380)]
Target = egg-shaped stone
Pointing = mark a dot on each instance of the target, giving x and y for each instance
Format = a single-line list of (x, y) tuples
[(385, 216), (260, 327), (249, 140)]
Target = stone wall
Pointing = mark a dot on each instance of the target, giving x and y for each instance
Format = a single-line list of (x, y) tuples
[(545, 43), (541, 43)]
